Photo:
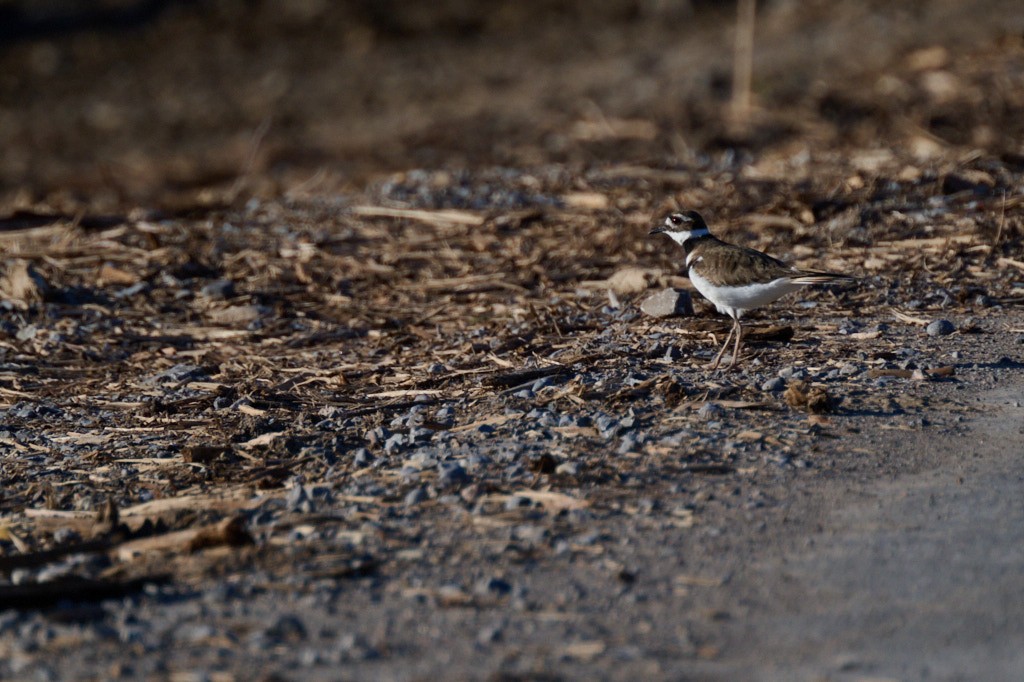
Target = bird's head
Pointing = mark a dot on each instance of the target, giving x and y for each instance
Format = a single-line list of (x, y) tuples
[(682, 227)]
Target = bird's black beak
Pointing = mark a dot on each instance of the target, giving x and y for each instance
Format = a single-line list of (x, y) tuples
[(658, 230)]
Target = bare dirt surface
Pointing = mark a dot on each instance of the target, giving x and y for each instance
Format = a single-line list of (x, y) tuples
[(323, 354)]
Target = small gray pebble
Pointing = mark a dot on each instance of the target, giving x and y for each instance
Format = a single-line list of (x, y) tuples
[(793, 373), (515, 502), (352, 647), (668, 302), (63, 536), (543, 382), (567, 469), (219, 289), (630, 443), (489, 634), (492, 586), (710, 411), (475, 461), (451, 475), (419, 434), (27, 332), (362, 457), (299, 501), (547, 419), (421, 460), (773, 385), (530, 534), (607, 425), (286, 628), (415, 496), (940, 328)]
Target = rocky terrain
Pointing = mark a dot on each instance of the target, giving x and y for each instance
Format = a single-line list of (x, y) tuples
[(310, 372)]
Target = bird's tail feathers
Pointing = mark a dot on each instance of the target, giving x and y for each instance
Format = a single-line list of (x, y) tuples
[(819, 277)]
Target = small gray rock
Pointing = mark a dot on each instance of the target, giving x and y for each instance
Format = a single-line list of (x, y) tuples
[(567, 469), (219, 289), (608, 425), (421, 460), (27, 332), (420, 434), (489, 634), (515, 502), (849, 369), (415, 496), (362, 457), (492, 586), (940, 328), (530, 534), (287, 628), (796, 373), (353, 647), (630, 443), (179, 374), (394, 443), (668, 303), (710, 411), (299, 501), (773, 385), (451, 475)]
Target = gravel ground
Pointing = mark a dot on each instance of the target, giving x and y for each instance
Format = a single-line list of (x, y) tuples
[(430, 402)]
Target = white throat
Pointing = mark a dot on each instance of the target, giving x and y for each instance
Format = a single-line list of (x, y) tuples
[(681, 237)]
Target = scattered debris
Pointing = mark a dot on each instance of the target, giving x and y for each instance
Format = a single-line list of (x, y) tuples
[(804, 396)]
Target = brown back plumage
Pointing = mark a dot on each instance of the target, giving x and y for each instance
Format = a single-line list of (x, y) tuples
[(725, 264)]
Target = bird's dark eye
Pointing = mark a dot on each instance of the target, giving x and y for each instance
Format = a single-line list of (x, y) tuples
[(676, 219)]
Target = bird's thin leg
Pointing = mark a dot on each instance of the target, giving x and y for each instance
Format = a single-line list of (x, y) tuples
[(736, 349), (718, 358)]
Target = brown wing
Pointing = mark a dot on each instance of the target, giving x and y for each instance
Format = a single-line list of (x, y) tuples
[(729, 265)]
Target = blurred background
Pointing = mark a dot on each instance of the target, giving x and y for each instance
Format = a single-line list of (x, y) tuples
[(112, 103)]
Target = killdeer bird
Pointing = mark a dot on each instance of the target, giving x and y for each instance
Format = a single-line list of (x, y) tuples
[(736, 279)]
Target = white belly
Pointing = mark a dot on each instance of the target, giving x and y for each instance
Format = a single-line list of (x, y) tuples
[(733, 301)]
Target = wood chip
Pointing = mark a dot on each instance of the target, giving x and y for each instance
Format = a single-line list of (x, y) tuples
[(588, 201), (1011, 262), (551, 500), (230, 531), (442, 217), (584, 651)]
